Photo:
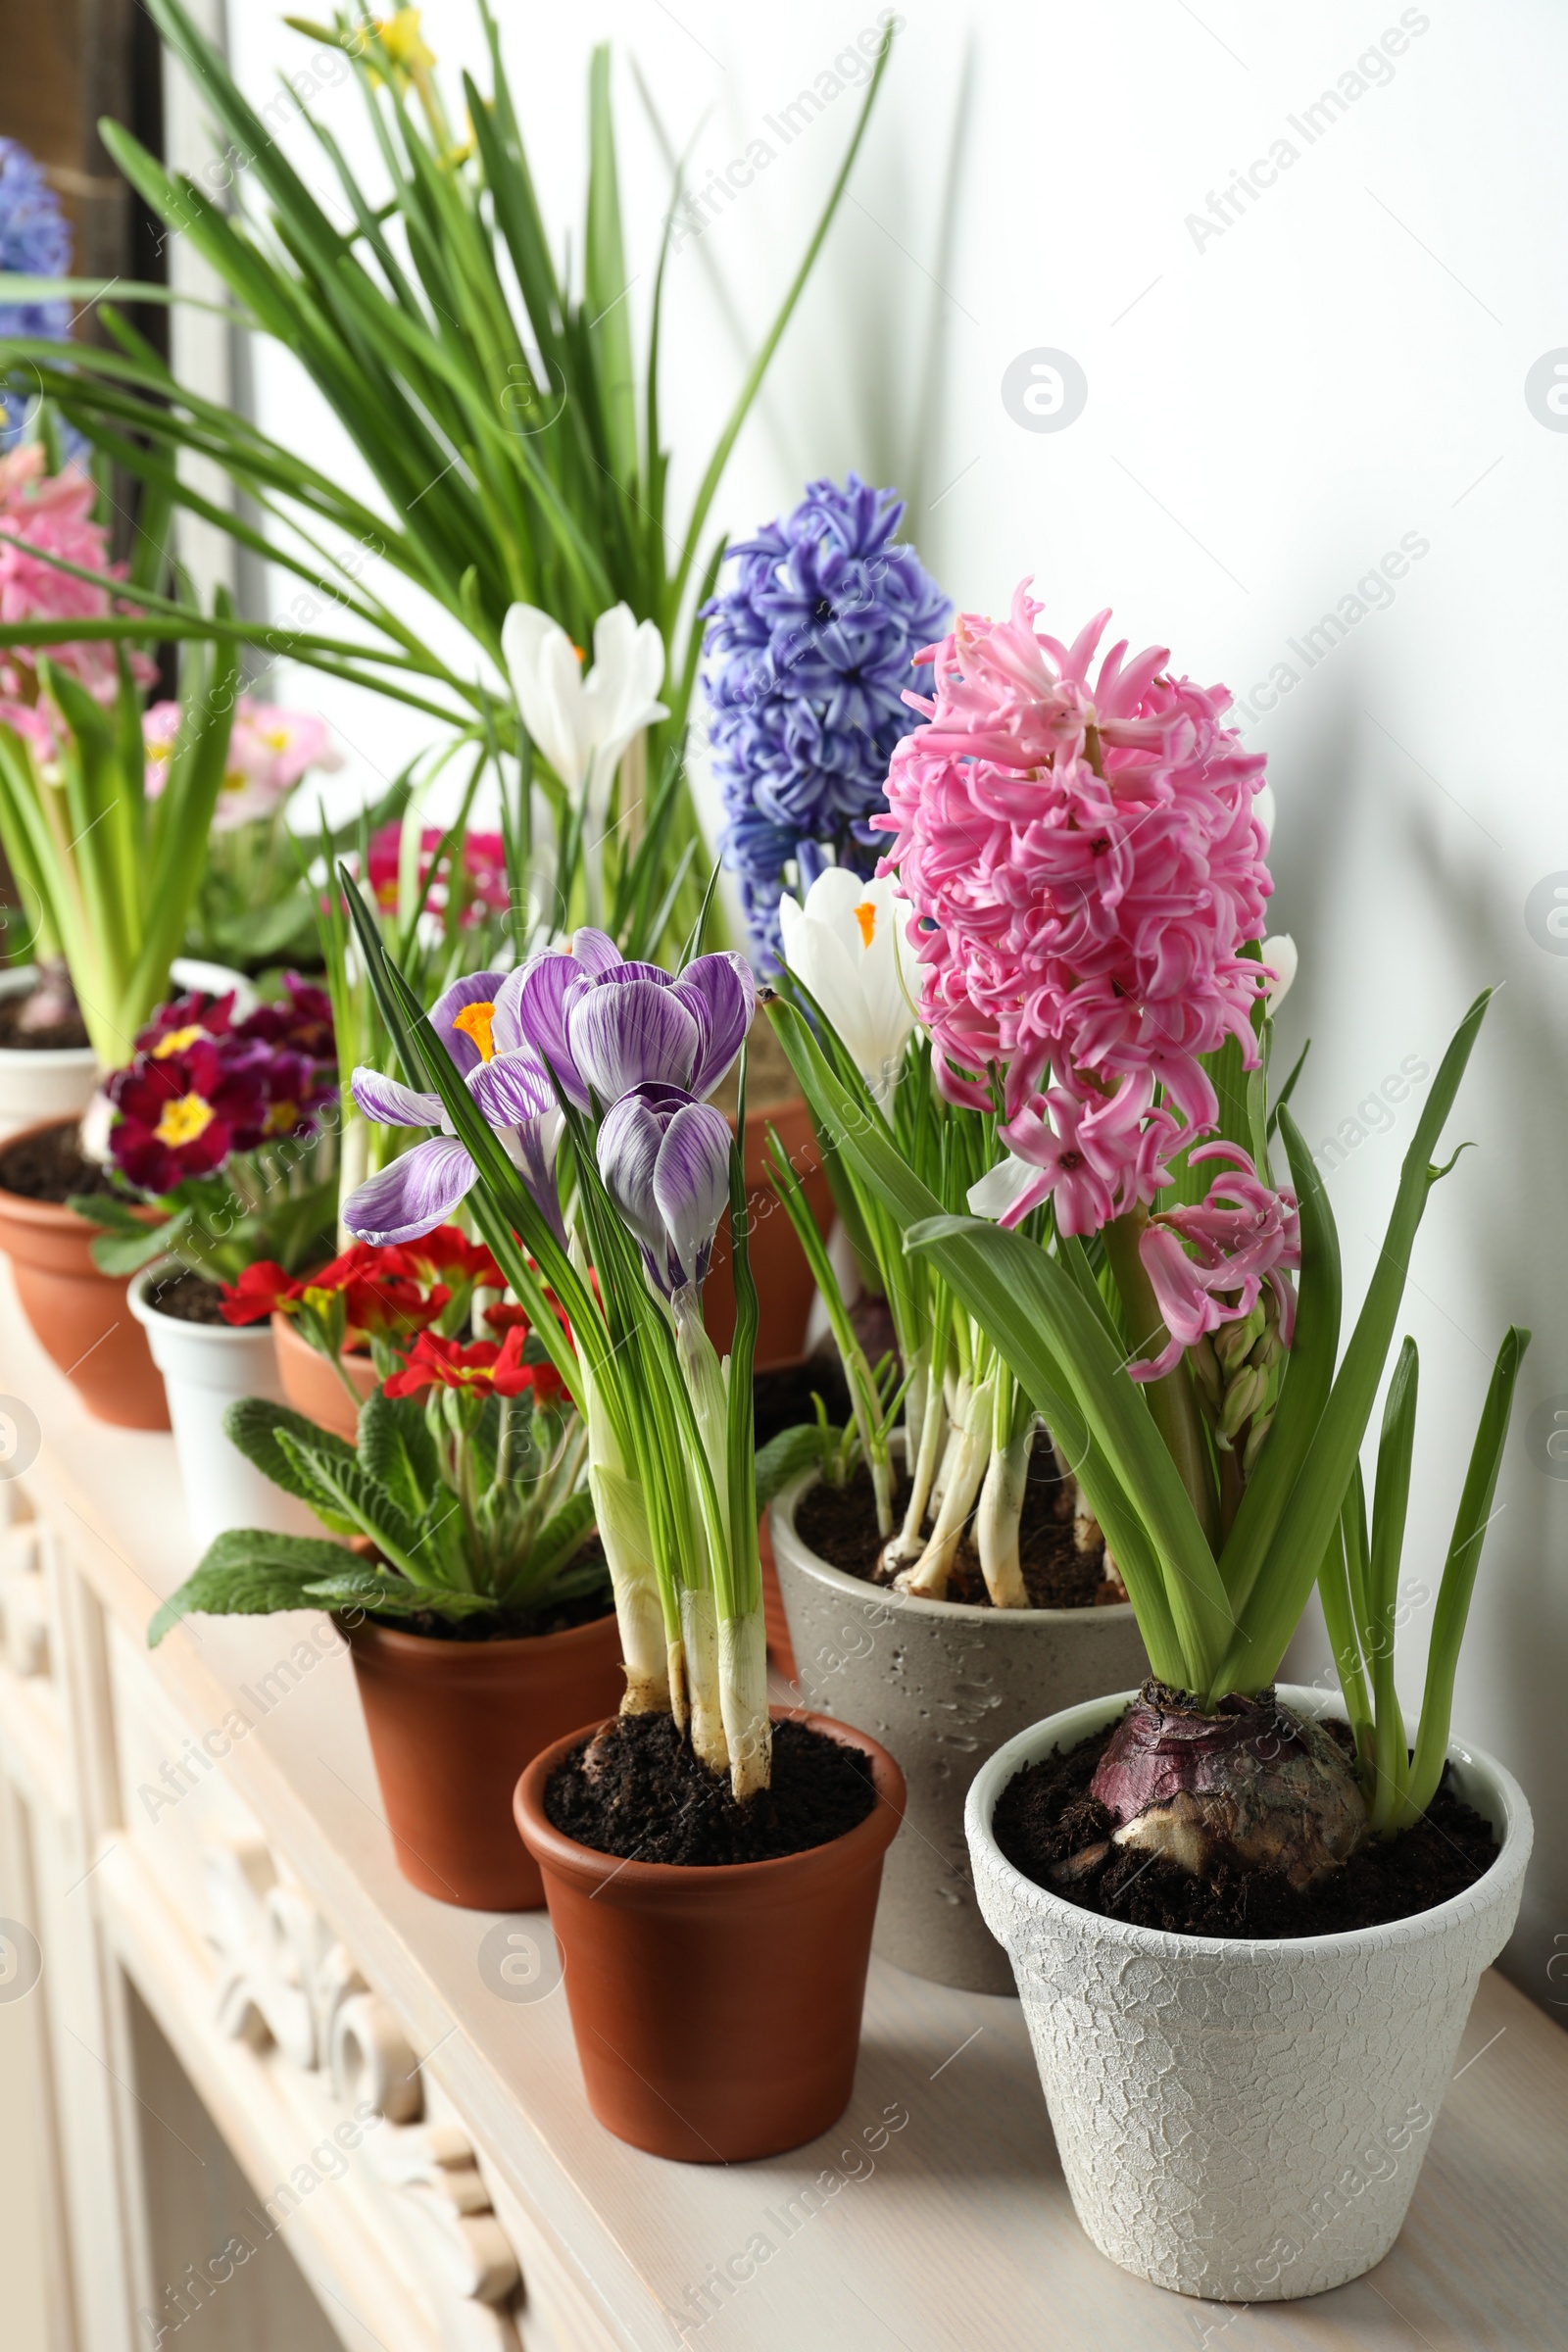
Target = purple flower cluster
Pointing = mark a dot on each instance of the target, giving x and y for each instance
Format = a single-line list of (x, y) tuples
[(810, 644), (34, 242), (202, 1086), (622, 1040)]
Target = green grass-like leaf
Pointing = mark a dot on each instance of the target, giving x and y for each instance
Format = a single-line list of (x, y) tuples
[(1475, 1516), (1280, 1591)]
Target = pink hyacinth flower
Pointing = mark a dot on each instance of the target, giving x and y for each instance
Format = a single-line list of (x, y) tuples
[(1209, 1262), (1082, 855), (53, 514)]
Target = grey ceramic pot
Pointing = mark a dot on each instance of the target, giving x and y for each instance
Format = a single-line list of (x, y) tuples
[(941, 1686)]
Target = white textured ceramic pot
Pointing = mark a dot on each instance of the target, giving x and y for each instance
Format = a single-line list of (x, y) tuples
[(53, 1083), (1244, 2119), (59, 1081), (941, 1685), (205, 1367)]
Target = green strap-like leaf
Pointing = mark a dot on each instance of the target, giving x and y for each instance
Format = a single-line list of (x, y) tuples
[(1296, 1554), (1391, 1498), (604, 286), (1059, 1348), (1308, 1377), (1475, 1516)]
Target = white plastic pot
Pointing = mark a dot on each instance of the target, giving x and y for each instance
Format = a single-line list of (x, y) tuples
[(205, 1367), (53, 1083), (59, 1081), (1243, 2120)]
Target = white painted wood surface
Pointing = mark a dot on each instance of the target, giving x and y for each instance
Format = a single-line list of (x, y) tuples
[(223, 1789)]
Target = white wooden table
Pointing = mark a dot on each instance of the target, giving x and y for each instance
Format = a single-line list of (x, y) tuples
[(217, 1908)]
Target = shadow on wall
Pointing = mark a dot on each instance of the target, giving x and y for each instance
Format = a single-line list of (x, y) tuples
[(1523, 1269), (1508, 1694), (1314, 788)]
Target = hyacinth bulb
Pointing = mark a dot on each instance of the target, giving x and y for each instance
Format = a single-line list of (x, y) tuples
[(1253, 1784)]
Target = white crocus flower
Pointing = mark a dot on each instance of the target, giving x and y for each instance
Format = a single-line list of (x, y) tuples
[(1000, 1188), (1279, 954), (583, 722), (846, 945)]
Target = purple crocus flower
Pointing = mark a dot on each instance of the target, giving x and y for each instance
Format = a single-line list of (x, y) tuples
[(601, 1025), (509, 1086), (605, 1026), (665, 1159)]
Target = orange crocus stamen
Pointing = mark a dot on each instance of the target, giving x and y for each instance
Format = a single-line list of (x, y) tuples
[(476, 1021), (865, 916)]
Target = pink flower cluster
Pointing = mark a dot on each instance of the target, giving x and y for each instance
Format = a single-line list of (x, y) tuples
[(484, 869), (52, 513), (1081, 850), (1085, 864), (1245, 1235), (269, 751)]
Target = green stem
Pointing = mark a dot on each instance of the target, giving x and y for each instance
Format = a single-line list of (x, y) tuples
[(1172, 1400)]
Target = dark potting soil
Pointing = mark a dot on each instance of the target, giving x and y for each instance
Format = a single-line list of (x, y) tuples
[(638, 1791), (49, 1167), (53, 1037), (188, 1298), (781, 1397), (839, 1523), (1046, 1814)]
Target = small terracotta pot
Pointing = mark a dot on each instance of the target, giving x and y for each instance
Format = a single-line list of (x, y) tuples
[(82, 1318), (313, 1387), (452, 1724), (717, 2010), (784, 1286)]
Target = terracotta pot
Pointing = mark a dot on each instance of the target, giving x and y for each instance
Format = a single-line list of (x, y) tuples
[(82, 1318), (452, 1724), (784, 1286), (717, 2010), (313, 1387)]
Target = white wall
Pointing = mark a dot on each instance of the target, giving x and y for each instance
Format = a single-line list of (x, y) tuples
[(1271, 408), (22, 2288)]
